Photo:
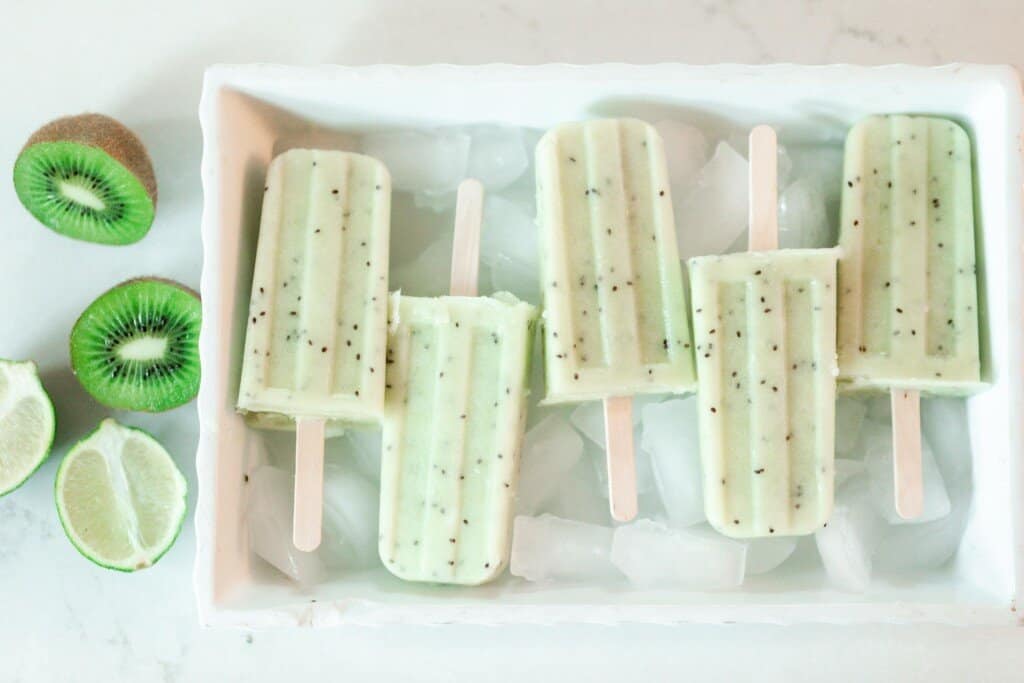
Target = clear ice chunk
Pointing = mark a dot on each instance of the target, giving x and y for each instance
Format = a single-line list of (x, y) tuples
[(548, 548), (651, 555)]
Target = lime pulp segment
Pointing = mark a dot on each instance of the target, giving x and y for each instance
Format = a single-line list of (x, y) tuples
[(120, 497), (26, 424)]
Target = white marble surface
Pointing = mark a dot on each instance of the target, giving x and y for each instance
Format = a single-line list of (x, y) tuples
[(64, 619)]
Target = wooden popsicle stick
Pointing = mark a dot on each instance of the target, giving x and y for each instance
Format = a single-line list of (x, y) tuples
[(621, 459), (309, 483), (763, 181), (469, 211), (906, 453)]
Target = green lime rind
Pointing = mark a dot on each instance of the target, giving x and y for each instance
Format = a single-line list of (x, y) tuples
[(150, 308), (143, 558), (9, 485), (127, 209)]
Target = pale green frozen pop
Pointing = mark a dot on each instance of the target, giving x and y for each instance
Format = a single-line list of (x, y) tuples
[(453, 423), (764, 326), (908, 301)]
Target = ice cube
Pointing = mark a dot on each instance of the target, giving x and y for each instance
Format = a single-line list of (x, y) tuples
[(497, 156), (714, 213), (271, 494), (670, 436), (550, 450), (438, 202), (917, 547), (944, 427), (846, 469), (821, 163), (428, 274), (509, 230), (507, 275), (642, 463), (849, 539), (686, 152), (880, 409), (802, 219), (850, 414), (508, 247), (351, 504), (548, 548), (651, 554), (878, 462), (579, 499), (588, 418), (783, 165), (418, 160), (766, 554), (740, 141), (418, 229), (360, 448)]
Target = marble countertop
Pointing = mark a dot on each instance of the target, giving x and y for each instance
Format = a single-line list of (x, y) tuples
[(65, 619)]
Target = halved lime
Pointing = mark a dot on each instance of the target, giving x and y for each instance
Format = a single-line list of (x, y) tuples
[(120, 497), (26, 423)]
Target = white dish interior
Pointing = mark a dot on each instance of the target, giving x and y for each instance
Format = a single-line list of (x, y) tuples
[(251, 113)]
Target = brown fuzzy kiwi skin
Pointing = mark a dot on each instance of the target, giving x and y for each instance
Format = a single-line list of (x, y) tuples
[(107, 134)]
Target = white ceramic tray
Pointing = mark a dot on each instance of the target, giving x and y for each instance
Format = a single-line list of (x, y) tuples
[(249, 113)]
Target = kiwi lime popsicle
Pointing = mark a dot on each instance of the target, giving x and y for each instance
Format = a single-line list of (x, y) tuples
[(317, 326), (615, 313), (765, 327), (908, 301), (453, 422)]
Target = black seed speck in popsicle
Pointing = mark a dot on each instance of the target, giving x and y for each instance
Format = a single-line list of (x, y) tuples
[(735, 521), (759, 471), (714, 409), (661, 193)]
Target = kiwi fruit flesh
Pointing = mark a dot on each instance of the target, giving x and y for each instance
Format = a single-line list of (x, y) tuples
[(88, 177), (136, 346)]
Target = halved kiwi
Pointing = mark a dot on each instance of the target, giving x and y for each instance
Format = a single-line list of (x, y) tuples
[(88, 177), (136, 346)]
